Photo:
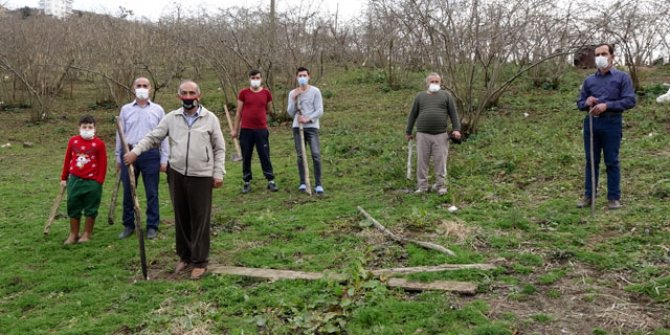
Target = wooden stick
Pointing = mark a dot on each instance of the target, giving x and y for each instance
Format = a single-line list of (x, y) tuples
[(593, 167), (400, 239), (236, 142), (305, 165), (271, 274), (409, 159), (54, 210), (136, 203), (115, 195)]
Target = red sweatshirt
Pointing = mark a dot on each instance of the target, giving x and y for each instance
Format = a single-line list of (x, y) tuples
[(86, 159)]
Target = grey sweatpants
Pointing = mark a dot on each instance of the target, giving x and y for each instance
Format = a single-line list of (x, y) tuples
[(437, 146)]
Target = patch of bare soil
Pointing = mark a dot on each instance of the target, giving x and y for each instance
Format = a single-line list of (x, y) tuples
[(586, 300)]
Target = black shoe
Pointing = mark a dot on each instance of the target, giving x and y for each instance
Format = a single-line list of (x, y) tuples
[(247, 187), (152, 233), (127, 231), (272, 186)]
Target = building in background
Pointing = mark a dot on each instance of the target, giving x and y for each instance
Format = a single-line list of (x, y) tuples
[(57, 8)]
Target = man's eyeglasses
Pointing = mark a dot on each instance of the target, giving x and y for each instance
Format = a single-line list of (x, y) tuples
[(142, 86)]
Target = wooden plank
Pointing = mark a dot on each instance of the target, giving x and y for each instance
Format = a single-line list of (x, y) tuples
[(440, 285), (272, 274)]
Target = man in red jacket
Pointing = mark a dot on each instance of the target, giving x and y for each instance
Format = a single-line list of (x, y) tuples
[(84, 170)]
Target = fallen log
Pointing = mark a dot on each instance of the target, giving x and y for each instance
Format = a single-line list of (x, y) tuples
[(272, 274), (402, 240)]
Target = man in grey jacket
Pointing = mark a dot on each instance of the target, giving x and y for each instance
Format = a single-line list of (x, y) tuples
[(197, 158), (305, 105)]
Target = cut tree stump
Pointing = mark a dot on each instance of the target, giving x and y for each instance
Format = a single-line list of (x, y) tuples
[(272, 274)]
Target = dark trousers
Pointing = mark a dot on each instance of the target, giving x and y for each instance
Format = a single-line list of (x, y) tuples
[(311, 140), (148, 164), (261, 139), (192, 202), (607, 134)]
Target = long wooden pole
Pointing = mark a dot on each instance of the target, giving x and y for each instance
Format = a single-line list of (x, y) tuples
[(593, 167), (136, 202), (54, 210), (305, 164)]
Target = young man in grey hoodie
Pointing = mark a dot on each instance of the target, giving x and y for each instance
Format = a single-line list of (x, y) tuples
[(305, 105)]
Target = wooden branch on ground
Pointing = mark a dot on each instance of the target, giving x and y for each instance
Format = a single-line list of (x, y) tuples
[(271, 274), (399, 239)]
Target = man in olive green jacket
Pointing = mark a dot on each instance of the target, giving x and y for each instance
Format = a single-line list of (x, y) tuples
[(431, 112)]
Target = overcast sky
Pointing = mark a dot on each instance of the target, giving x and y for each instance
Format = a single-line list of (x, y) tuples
[(153, 9)]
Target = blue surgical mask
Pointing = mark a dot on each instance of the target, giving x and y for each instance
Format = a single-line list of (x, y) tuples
[(302, 81)]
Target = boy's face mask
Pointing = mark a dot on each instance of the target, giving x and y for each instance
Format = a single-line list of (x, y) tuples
[(87, 131)]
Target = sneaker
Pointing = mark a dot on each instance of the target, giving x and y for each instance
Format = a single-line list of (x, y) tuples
[(272, 186), (585, 202), (302, 188), (420, 190), (318, 189), (442, 191), (152, 233), (613, 204), (127, 231), (247, 187)]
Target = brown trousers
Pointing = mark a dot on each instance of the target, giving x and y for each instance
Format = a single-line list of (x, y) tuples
[(192, 202), (427, 145)]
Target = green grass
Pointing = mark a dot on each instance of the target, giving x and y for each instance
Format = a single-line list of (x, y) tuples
[(515, 183)]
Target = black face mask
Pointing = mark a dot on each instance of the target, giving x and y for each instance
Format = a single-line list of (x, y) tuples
[(189, 103)]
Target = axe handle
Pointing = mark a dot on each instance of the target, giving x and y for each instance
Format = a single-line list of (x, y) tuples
[(236, 142), (54, 210)]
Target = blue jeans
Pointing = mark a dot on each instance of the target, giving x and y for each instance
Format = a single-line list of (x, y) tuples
[(148, 164), (311, 140), (607, 134)]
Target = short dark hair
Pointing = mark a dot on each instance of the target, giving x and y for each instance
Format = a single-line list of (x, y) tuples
[(86, 119), (302, 68), (610, 47), (254, 72)]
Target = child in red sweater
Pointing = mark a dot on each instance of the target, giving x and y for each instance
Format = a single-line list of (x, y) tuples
[(83, 173)]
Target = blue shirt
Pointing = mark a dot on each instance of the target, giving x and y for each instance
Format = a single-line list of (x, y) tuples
[(137, 122), (614, 88), (191, 118)]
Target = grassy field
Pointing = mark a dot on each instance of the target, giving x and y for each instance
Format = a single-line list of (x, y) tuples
[(559, 269)]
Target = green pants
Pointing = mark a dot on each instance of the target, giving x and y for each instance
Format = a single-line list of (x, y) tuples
[(83, 195)]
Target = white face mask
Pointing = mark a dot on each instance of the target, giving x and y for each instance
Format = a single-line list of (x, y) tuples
[(433, 88), (302, 81), (87, 134), (142, 93), (255, 83), (601, 62)]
